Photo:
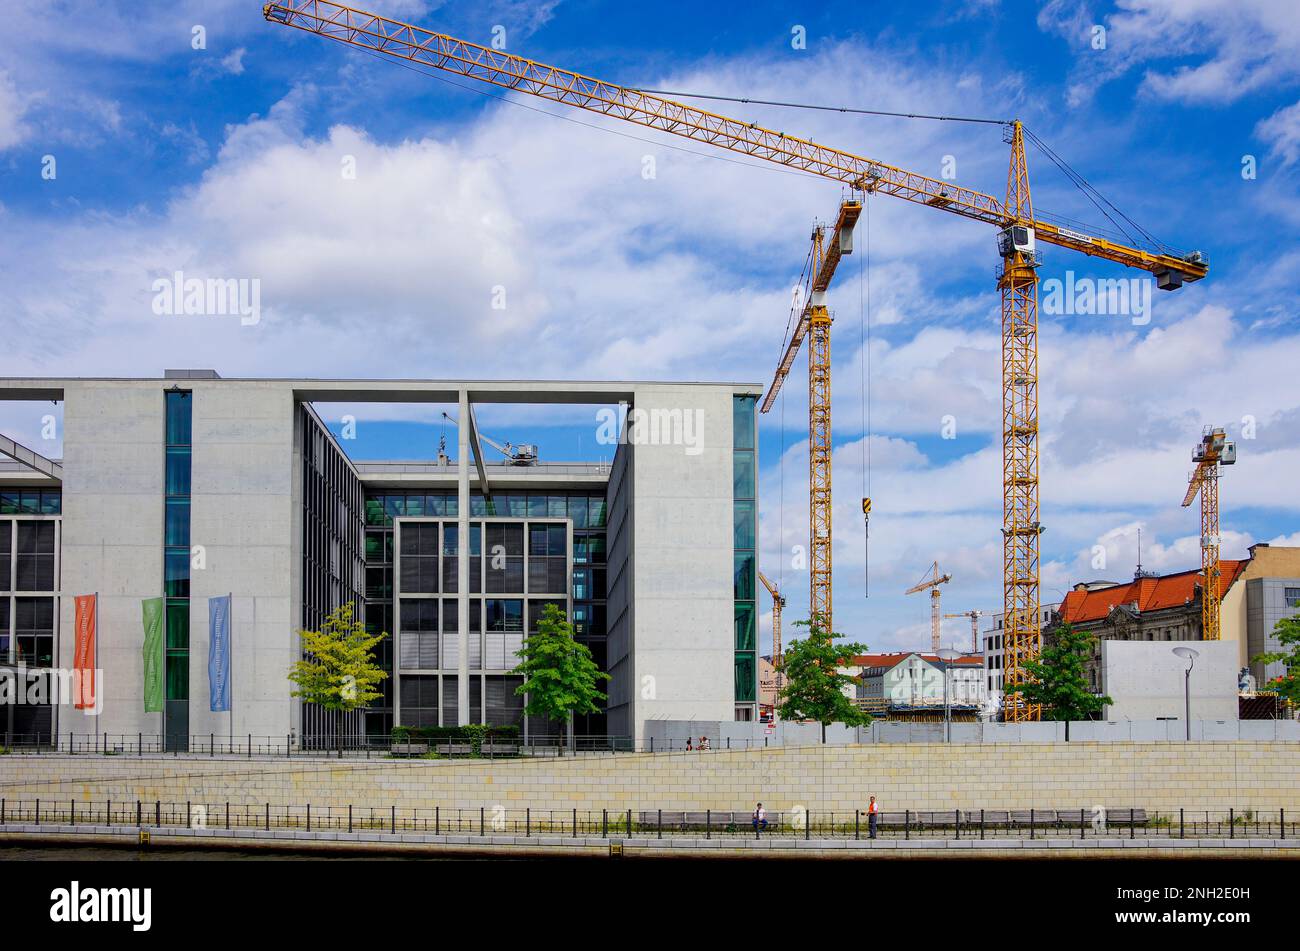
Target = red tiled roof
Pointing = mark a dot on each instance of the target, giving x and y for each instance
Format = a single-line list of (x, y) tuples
[(1151, 594)]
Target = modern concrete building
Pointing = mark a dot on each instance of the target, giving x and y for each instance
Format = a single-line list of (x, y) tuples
[(191, 487)]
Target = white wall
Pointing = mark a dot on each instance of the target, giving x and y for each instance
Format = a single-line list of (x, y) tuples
[(682, 559), (241, 512), (1146, 679), (112, 538)]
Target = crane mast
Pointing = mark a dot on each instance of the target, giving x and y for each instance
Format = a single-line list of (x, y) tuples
[(1214, 450), (1019, 233), (778, 604), (932, 583)]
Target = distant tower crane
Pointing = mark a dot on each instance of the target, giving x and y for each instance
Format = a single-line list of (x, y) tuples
[(932, 583), (778, 603), (974, 626), (1212, 451), (1019, 233)]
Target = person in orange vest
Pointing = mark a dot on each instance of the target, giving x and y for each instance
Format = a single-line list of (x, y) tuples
[(873, 808)]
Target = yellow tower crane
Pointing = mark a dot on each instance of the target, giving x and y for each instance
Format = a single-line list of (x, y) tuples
[(974, 626), (1212, 451), (778, 604), (932, 583), (814, 323), (1019, 233)]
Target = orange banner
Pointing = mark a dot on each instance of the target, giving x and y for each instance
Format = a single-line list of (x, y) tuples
[(84, 662)]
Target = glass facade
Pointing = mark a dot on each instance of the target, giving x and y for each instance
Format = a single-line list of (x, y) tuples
[(745, 536), (510, 564), (29, 585), (333, 572), (176, 566), (521, 567)]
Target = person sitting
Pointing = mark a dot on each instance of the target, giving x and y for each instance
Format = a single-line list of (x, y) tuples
[(760, 818)]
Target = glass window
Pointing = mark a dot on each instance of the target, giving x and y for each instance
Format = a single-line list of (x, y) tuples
[(35, 561), (742, 474), (745, 626), (505, 614), (537, 506), (9, 501), (178, 675), (578, 510), (375, 510), (394, 507), (51, 502), (744, 576), (744, 524), (582, 584), (177, 530), (742, 421), (557, 506), (178, 625), (176, 580), (179, 416), (745, 679), (379, 582), (379, 548), (178, 470), (596, 511), (415, 506)]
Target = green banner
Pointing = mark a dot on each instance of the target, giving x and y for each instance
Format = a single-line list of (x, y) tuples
[(153, 654)]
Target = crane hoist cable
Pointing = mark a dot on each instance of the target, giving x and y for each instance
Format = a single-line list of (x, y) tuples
[(864, 360)]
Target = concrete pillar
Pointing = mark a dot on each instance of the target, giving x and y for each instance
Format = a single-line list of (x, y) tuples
[(462, 559)]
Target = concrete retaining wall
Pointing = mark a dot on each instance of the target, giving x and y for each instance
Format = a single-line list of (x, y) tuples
[(1152, 776)]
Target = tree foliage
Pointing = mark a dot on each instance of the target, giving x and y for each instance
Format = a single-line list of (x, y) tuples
[(1057, 679), (560, 678), (814, 685), (338, 669), (1287, 685)]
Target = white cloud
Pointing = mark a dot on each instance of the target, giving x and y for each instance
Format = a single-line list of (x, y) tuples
[(12, 108), (1236, 46), (1281, 132)]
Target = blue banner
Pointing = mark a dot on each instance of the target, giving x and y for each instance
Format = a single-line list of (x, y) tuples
[(219, 653)]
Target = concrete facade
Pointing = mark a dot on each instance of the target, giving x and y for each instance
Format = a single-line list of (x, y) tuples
[(672, 497), (671, 531), (1146, 680)]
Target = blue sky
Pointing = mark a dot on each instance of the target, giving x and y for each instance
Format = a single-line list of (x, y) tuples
[(225, 161)]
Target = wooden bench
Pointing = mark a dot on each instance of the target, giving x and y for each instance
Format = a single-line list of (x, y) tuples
[(719, 819)]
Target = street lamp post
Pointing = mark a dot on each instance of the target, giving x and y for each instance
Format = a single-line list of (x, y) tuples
[(947, 655), (1190, 656)]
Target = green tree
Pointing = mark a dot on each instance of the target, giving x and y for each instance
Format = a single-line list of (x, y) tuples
[(1287, 685), (560, 678), (1057, 680), (814, 685), (338, 670)]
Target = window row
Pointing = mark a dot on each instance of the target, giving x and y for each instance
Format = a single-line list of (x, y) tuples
[(492, 700), (27, 556), (586, 511), (31, 502), (32, 621)]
